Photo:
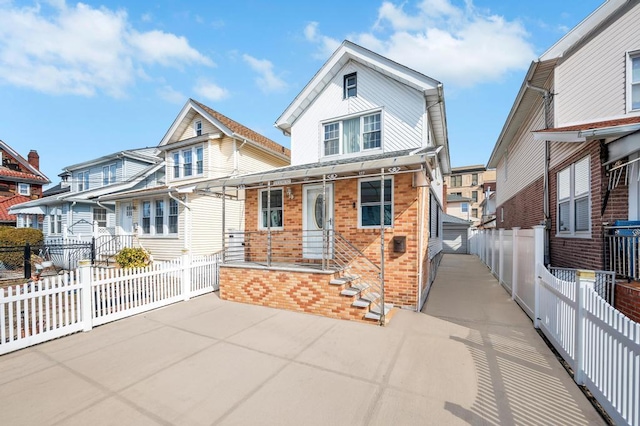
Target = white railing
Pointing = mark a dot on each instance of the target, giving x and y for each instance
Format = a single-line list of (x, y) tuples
[(79, 300), (600, 344)]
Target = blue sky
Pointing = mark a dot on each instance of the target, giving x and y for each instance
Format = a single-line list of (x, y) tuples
[(82, 80)]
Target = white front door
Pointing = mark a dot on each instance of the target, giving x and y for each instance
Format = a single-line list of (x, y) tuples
[(313, 217), (126, 218)]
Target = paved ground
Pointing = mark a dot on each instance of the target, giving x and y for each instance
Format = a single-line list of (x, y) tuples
[(471, 358)]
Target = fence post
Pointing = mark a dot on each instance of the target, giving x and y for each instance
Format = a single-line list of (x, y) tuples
[(493, 251), (501, 255), (186, 276), (514, 264), (538, 259), (27, 261), (84, 275), (578, 375)]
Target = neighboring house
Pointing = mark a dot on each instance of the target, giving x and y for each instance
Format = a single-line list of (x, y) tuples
[(488, 205), (175, 217), (369, 153), (460, 207), (20, 181), (71, 208), (468, 181), (455, 234), (568, 154)]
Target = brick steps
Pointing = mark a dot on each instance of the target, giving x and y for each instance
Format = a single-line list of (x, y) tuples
[(363, 297)]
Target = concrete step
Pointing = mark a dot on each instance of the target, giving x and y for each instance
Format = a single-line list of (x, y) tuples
[(354, 290), (365, 300), (343, 280), (374, 312)]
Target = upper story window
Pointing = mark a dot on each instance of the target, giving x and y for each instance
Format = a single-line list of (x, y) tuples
[(464, 207), (24, 189), (271, 209), (370, 200), (350, 85), (353, 135), (183, 162), (83, 180), (474, 179), (574, 212), (633, 78), (474, 196), (456, 180), (197, 126), (108, 174)]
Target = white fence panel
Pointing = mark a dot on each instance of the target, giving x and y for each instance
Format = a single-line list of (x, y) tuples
[(205, 274), (119, 293), (36, 312), (507, 266), (558, 309), (525, 295)]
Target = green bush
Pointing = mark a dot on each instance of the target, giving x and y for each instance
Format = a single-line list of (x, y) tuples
[(12, 240), (132, 258)]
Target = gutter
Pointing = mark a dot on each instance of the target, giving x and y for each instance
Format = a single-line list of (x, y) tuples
[(173, 197)]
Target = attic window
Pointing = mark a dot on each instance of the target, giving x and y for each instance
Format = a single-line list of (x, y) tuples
[(24, 189), (350, 85), (198, 127)]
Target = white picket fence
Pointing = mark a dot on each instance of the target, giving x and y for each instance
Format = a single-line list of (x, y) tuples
[(56, 306), (601, 345)]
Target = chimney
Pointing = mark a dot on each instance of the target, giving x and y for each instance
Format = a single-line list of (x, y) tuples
[(34, 159)]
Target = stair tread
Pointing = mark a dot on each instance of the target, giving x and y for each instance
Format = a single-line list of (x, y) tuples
[(350, 292), (371, 296), (376, 309), (361, 303)]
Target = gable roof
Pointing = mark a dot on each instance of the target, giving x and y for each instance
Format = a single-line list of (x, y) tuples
[(226, 125), (146, 155), (542, 69), (431, 89), (32, 174)]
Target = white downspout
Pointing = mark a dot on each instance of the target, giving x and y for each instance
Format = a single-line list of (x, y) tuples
[(236, 155), (187, 215)]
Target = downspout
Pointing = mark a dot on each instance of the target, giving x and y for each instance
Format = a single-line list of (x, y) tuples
[(236, 154), (186, 242), (420, 247), (546, 99)]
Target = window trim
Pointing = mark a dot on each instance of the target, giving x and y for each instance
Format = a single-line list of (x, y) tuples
[(631, 55), (571, 199), (455, 177), (109, 174), (93, 216), (196, 170), (20, 187), (339, 121), (260, 208), (346, 87), (197, 127), (83, 179), (392, 203), (166, 210)]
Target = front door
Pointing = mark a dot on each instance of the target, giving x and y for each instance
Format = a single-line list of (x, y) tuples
[(313, 217), (126, 218)]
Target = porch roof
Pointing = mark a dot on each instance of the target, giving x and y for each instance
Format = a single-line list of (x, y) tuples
[(405, 160)]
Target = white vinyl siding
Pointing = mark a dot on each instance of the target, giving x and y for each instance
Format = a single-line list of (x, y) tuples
[(574, 211), (252, 159), (591, 83), (403, 113), (190, 129)]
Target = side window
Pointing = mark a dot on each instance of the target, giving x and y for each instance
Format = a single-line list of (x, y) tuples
[(369, 200), (274, 216)]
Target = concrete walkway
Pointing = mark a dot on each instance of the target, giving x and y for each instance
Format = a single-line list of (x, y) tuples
[(472, 358)]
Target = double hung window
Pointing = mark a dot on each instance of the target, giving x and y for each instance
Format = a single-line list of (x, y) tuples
[(272, 216), (350, 85), (24, 189), (574, 212), (353, 135), (160, 217), (633, 79), (108, 174), (183, 162), (83, 180), (370, 200), (100, 216)]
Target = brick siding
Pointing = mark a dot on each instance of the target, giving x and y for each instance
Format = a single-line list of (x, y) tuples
[(628, 300)]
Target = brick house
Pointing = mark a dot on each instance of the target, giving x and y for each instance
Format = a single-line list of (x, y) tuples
[(468, 182), (354, 224), (568, 154), (20, 181)]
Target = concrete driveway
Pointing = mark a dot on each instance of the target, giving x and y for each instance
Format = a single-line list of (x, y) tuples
[(471, 358)]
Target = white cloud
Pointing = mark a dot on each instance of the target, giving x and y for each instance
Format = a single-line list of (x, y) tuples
[(460, 46), (326, 44), (77, 49), (267, 80), (172, 95), (210, 90)]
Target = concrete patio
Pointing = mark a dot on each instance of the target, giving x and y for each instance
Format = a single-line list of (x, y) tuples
[(472, 357)]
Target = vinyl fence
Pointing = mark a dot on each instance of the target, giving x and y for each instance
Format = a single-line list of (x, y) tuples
[(601, 345), (79, 300)]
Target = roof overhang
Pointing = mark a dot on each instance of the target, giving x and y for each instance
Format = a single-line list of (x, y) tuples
[(26, 210), (587, 134)]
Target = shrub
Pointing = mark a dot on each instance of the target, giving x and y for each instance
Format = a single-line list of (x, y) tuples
[(132, 258), (13, 240)]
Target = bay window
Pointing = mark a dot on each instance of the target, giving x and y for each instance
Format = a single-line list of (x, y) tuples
[(370, 199), (353, 135)]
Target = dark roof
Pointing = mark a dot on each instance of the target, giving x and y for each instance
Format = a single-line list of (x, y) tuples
[(447, 218), (57, 189), (453, 198), (594, 125), (245, 131), (7, 202), (468, 169)]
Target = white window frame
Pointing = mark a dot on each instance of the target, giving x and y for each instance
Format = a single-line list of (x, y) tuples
[(571, 232), (197, 127), (392, 203), (261, 208), (109, 174), (24, 189), (94, 210), (55, 223), (178, 169), (631, 56), (339, 122), (83, 180), (165, 232), (346, 87)]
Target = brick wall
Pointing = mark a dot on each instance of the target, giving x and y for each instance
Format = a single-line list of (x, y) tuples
[(401, 269), (628, 300), (525, 209)]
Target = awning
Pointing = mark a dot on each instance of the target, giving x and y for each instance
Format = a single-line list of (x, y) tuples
[(27, 210)]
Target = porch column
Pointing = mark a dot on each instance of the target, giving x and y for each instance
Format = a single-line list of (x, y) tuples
[(224, 196), (269, 224), (382, 246), (324, 220)]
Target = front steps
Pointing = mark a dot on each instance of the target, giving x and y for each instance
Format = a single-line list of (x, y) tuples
[(363, 297)]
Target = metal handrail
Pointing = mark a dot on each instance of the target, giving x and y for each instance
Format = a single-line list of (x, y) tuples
[(622, 250)]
